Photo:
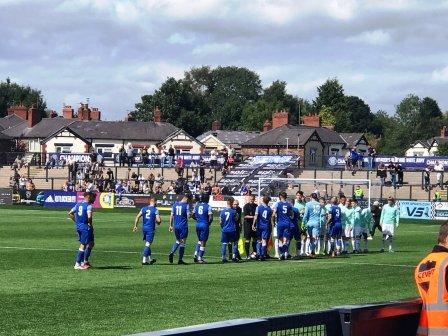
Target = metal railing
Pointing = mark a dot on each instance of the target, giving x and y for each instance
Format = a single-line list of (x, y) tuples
[(385, 319)]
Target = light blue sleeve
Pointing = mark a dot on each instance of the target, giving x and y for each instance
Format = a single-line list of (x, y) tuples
[(306, 215), (89, 208)]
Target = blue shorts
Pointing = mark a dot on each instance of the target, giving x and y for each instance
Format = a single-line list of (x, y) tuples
[(228, 237), (313, 231), (148, 235), (263, 233), (283, 232), (85, 236), (294, 232), (335, 231), (202, 233), (181, 232)]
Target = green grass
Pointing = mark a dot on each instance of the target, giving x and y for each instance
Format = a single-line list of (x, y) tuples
[(41, 294)]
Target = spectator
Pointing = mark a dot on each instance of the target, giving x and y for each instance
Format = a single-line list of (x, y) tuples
[(371, 154), (208, 189), (30, 185), (393, 174), (145, 155), (152, 158), (129, 154), (213, 159), (381, 172), (244, 189), (359, 193), (399, 169), (171, 155), (439, 168), (216, 190), (347, 160), (145, 189), (202, 171), (437, 196), (121, 156), (151, 180), (427, 178), (159, 181), (162, 158), (22, 183)]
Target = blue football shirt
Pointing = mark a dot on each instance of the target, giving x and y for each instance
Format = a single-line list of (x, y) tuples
[(149, 214), (264, 216), (180, 212), (336, 215), (81, 211), (283, 211), (228, 223), (201, 213)]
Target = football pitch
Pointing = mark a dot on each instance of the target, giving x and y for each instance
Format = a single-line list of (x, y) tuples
[(41, 293)]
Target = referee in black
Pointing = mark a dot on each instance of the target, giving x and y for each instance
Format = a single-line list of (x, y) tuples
[(249, 214)]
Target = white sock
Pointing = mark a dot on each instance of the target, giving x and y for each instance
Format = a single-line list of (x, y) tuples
[(303, 246), (307, 247), (276, 246), (318, 246), (144, 260), (353, 244)]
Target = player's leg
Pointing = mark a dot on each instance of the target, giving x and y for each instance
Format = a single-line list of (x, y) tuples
[(247, 237), (83, 241), (276, 243), (89, 248), (264, 244), (303, 243), (176, 245), (235, 247), (366, 241), (311, 240), (204, 239), (182, 244), (224, 242), (198, 245)]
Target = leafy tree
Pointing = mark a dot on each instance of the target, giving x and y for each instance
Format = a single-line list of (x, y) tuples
[(442, 149), (14, 94), (331, 94), (255, 114), (327, 116), (362, 119), (233, 88)]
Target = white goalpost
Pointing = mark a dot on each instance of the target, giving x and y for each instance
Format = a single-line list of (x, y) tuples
[(326, 187)]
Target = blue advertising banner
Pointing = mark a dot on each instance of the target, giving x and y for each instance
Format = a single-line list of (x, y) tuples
[(415, 210), (58, 198), (414, 162)]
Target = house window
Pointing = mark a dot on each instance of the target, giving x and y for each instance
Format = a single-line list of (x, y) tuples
[(334, 151), (104, 149), (63, 148)]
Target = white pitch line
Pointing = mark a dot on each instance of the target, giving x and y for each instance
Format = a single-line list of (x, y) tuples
[(320, 261)]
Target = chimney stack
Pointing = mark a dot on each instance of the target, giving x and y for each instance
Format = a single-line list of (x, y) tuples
[(216, 125), (34, 116), (53, 114), (279, 118), (312, 120), (267, 126), (67, 112), (95, 114), (157, 114)]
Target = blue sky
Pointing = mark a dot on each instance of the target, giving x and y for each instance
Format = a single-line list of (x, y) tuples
[(115, 51)]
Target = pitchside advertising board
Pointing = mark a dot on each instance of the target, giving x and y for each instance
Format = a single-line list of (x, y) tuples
[(415, 210), (5, 196), (415, 162)]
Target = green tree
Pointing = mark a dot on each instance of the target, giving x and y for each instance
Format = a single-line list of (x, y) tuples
[(233, 88), (255, 114), (362, 119), (14, 94), (331, 94), (442, 149), (327, 116)]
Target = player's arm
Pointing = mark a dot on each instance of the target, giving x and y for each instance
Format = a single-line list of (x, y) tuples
[(71, 214), (397, 217), (246, 213), (210, 216), (254, 222), (137, 218), (89, 216), (170, 227), (306, 215), (382, 217)]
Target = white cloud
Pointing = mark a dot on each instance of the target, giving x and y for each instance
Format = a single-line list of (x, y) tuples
[(127, 11), (440, 75), (178, 38), (375, 37), (214, 48)]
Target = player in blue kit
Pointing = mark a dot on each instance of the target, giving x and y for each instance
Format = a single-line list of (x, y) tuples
[(81, 214), (150, 215), (262, 226), (294, 229), (311, 218), (229, 230), (282, 220), (203, 215), (180, 213), (335, 227)]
